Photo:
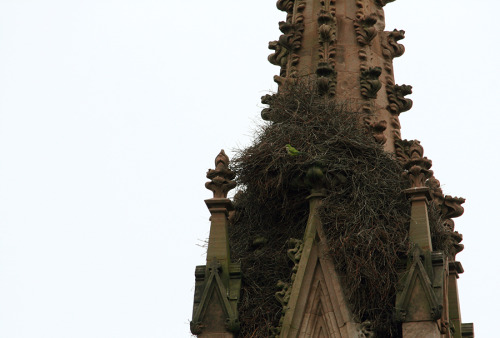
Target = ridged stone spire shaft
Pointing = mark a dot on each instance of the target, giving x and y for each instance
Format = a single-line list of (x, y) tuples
[(342, 44)]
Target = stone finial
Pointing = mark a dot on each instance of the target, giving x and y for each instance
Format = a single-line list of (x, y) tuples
[(315, 179), (221, 177), (411, 155)]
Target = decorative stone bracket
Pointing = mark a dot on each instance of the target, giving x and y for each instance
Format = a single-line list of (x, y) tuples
[(417, 167)]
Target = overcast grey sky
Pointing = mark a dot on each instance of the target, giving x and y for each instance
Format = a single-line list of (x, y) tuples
[(111, 111)]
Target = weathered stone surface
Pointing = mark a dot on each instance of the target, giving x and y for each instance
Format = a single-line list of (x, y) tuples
[(426, 329)]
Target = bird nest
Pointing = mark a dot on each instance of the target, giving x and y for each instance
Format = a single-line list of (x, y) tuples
[(364, 214)]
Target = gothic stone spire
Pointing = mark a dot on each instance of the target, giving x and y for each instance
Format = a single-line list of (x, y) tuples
[(343, 46)]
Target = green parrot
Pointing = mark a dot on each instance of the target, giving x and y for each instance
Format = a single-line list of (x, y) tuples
[(292, 151)]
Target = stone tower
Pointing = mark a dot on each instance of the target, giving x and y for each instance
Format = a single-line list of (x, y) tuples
[(343, 48)]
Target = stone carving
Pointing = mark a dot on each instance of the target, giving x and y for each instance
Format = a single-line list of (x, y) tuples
[(363, 55), (382, 3), (377, 129), (395, 94), (286, 6), (222, 177), (397, 101), (295, 253), (365, 28), (392, 48), (315, 179), (450, 207), (362, 36), (327, 36), (435, 190), (283, 295), (456, 239), (417, 167), (396, 125), (370, 83), (286, 47), (366, 330), (266, 113), (281, 48)]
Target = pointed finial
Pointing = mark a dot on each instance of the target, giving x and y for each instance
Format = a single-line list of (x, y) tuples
[(221, 177), (417, 167)]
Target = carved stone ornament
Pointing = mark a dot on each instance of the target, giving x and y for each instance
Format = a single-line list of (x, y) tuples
[(452, 206), (397, 101), (327, 31), (411, 155), (295, 253), (396, 125), (366, 330), (221, 178), (283, 295), (365, 28), (284, 292), (370, 83), (286, 6), (456, 239), (315, 179), (267, 113), (377, 129), (392, 48), (382, 3), (286, 47), (435, 191)]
